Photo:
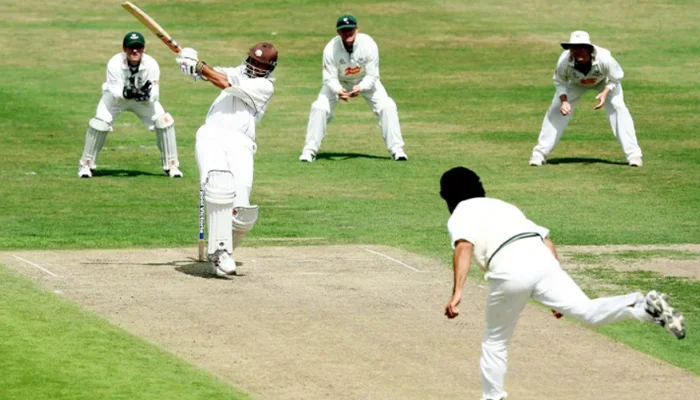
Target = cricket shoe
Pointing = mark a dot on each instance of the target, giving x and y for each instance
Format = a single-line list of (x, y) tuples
[(223, 265), (307, 156), (174, 172), (635, 162), (85, 172), (537, 161), (400, 155), (658, 306)]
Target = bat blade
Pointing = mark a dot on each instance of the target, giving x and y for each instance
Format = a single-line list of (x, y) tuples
[(152, 25)]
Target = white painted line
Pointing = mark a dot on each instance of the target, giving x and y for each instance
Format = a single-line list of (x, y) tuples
[(36, 265), (393, 259)]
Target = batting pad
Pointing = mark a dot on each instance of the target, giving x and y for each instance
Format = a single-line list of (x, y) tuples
[(165, 139), (243, 220), (218, 195), (95, 138)]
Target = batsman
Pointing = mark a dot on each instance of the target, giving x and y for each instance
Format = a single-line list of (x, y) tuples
[(131, 85), (225, 146)]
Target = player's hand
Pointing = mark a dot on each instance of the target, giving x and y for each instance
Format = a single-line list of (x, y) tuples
[(189, 68), (344, 95), (190, 53), (565, 108), (355, 91), (144, 93), (130, 90), (451, 310), (601, 100)]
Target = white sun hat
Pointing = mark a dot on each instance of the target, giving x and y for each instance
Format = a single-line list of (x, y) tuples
[(577, 38)]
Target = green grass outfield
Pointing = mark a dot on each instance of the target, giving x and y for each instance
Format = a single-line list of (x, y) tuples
[(472, 81)]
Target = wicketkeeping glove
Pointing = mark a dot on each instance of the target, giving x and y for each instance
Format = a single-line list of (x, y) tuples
[(145, 92)]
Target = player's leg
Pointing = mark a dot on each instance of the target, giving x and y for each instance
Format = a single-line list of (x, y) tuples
[(240, 159), (96, 135), (320, 115), (559, 292), (154, 117), (505, 301), (623, 126), (219, 193), (553, 126), (385, 109)]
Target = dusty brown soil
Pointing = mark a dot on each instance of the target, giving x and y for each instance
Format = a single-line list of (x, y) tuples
[(672, 267), (342, 322)]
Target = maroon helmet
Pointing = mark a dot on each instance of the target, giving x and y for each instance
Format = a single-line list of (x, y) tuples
[(261, 61)]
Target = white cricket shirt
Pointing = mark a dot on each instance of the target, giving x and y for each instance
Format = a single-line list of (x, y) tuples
[(487, 223), (240, 107), (360, 67), (604, 69), (118, 74)]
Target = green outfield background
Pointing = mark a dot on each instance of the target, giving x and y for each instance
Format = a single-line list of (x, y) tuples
[(472, 81)]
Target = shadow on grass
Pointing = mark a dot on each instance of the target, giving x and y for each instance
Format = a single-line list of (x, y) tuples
[(582, 160), (347, 156), (123, 172)]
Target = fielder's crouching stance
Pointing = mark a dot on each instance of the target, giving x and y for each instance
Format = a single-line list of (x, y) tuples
[(225, 146), (520, 262), (132, 85)]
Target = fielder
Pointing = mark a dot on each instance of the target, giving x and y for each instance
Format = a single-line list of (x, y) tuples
[(520, 262), (351, 68), (225, 146), (132, 85), (582, 67)]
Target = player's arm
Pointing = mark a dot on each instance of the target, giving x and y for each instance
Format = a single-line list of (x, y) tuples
[(561, 76), (115, 80), (154, 78), (462, 259), (561, 82), (371, 69), (330, 70), (615, 72), (614, 75), (217, 78)]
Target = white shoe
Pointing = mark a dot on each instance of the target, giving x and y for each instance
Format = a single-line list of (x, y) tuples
[(307, 156), (537, 161), (400, 155), (174, 172), (635, 162), (84, 172), (222, 263), (658, 306)]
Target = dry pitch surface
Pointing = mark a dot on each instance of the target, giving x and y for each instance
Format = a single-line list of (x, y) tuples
[(341, 322)]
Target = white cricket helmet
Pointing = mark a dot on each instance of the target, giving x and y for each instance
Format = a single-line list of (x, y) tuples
[(580, 38)]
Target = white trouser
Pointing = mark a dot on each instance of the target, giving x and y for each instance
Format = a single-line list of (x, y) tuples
[(378, 100), (109, 108), (217, 148), (619, 116), (526, 269)]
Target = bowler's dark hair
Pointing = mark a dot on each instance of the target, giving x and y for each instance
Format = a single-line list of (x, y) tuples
[(459, 184)]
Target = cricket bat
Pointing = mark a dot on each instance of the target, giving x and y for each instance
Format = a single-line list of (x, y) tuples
[(152, 25)]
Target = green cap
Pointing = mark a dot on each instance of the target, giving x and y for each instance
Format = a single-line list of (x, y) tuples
[(134, 38), (346, 21)]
